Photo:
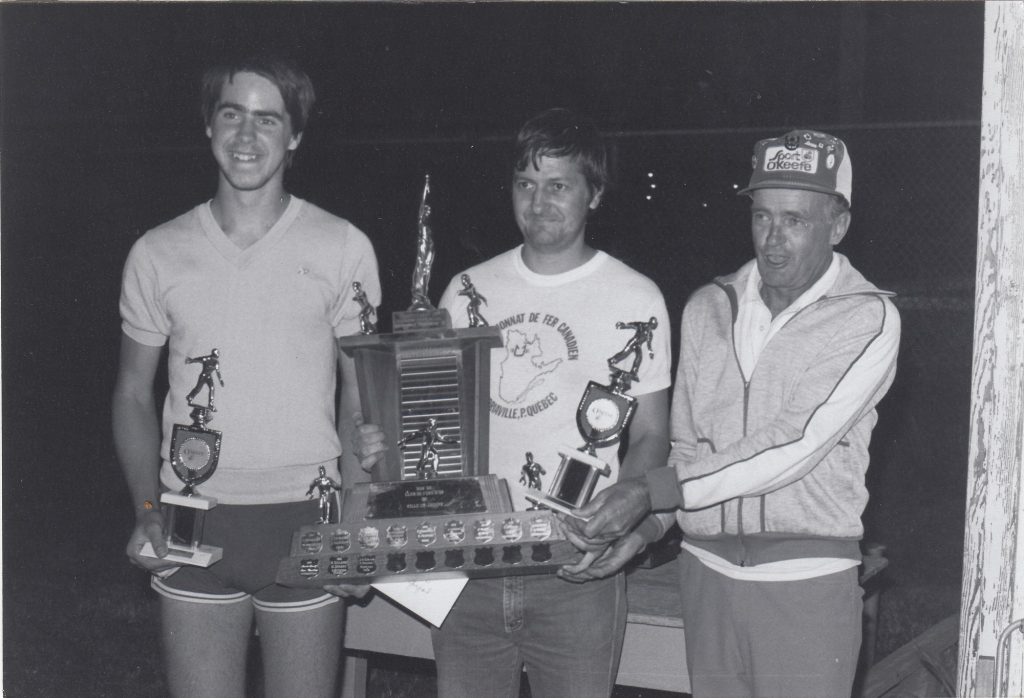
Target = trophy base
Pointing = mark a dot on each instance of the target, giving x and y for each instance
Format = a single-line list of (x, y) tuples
[(200, 556), (549, 502), (429, 547), (189, 501)]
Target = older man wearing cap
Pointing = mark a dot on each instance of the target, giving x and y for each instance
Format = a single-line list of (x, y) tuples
[(781, 366)]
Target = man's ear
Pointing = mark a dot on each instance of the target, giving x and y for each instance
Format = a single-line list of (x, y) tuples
[(839, 227), (595, 199)]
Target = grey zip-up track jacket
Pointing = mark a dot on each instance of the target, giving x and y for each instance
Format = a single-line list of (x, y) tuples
[(771, 466)]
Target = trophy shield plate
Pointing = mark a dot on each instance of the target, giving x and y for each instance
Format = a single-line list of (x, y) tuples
[(603, 414), (194, 453)]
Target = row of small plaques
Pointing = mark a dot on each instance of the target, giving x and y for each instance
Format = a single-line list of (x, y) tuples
[(369, 564), (452, 532)]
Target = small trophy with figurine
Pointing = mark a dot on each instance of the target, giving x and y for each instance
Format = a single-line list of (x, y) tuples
[(604, 412), (195, 451)]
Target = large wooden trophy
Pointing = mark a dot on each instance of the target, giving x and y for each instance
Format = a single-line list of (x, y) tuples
[(432, 511)]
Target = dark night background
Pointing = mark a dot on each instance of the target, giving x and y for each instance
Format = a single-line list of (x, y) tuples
[(102, 139)]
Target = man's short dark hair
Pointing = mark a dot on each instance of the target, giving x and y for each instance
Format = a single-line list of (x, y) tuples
[(291, 81), (558, 133)]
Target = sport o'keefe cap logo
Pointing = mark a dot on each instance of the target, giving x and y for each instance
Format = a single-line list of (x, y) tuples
[(802, 160), (780, 159)]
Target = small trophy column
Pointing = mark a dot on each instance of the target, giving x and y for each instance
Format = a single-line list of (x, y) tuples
[(603, 414), (195, 450)]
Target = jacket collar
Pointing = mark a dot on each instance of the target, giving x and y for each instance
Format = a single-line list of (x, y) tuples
[(849, 281)]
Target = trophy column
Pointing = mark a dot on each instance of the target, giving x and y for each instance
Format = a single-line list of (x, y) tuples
[(406, 379)]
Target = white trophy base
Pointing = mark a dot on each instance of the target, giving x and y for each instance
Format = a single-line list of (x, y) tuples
[(200, 556), (599, 466), (191, 501), (550, 502)]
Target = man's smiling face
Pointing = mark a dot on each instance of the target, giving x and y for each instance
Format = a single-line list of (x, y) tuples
[(250, 132)]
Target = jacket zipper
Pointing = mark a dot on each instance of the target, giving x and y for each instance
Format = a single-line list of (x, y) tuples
[(739, 516), (746, 401)]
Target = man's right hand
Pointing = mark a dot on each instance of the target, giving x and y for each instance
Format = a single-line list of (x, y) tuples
[(349, 591), (368, 443), (149, 528)]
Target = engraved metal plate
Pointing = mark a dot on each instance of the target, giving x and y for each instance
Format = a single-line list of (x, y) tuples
[(312, 542)]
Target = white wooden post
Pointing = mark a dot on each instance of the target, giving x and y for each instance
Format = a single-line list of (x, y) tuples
[(993, 578)]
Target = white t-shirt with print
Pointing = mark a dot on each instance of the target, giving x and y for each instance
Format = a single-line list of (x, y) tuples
[(558, 332)]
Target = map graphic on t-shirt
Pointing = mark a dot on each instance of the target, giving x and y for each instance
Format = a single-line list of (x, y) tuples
[(524, 366)]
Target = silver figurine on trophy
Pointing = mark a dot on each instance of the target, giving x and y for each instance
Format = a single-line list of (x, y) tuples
[(424, 254), (367, 313), (602, 416), (475, 300), (327, 491), (195, 451), (428, 438)]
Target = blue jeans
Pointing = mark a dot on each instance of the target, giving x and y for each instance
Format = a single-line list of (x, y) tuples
[(568, 636)]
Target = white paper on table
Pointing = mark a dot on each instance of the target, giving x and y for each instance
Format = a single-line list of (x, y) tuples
[(430, 600)]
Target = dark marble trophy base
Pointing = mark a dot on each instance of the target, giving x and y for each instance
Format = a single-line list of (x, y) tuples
[(404, 498), (427, 547)]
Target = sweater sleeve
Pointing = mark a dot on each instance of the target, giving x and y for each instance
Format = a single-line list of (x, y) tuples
[(839, 387), (143, 316)]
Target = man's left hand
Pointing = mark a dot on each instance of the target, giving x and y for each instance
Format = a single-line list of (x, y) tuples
[(611, 561)]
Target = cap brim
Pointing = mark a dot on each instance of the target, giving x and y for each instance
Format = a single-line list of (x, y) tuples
[(790, 184)]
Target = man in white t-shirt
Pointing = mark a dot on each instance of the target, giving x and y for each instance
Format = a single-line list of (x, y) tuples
[(559, 304), (266, 281)]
